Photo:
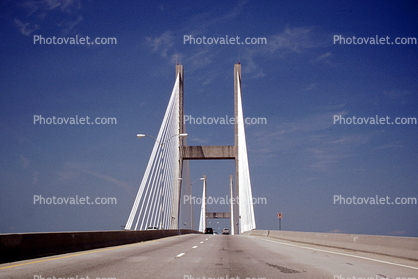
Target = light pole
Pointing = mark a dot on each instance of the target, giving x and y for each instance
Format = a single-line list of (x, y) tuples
[(203, 220), (192, 221), (144, 135), (161, 170)]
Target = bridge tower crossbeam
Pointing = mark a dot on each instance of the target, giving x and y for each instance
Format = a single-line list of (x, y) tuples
[(159, 194)]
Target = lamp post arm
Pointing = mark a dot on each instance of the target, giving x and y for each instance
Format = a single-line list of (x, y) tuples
[(160, 143)]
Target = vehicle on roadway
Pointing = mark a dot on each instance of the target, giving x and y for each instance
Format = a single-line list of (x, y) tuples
[(208, 231), (225, 231), (152, 228)]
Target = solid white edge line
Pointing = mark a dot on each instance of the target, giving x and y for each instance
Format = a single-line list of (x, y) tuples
[(337, 253), (179, 255)]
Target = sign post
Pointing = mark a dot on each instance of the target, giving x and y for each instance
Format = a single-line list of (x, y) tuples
[(280, 216)]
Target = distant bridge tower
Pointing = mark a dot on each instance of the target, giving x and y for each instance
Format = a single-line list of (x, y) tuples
[(159, 194)]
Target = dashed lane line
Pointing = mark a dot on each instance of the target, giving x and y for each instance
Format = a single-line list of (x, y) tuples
[(179, 255)]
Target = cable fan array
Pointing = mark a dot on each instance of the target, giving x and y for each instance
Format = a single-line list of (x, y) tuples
[(153, 202)]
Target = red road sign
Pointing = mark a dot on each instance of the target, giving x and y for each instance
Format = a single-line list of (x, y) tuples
[(279, 215)]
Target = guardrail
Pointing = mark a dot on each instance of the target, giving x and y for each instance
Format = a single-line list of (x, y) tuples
[(404, 247), (22, 246)]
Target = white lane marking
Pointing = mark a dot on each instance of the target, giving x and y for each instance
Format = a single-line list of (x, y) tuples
[(179, 255), (201, 241), (206, 238), (194, 247), (338, 253)]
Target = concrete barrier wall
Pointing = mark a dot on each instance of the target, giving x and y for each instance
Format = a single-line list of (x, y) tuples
[(15, 247), (405, 247)]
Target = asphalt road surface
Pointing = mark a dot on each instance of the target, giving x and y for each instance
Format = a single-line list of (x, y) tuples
[(213, 256)]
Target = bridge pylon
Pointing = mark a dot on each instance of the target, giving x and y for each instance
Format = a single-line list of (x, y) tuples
[(161, 184)]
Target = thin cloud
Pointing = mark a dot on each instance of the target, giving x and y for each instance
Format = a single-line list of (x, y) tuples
[(25, 28), (290, 41), (324, 58), (400, 96), (162, 44), (200, 23), (200, 59), (25, 161), (110, 179), (37, 12), (69, 172), (394, 145), (250, 65), (310, 87), (41, 6), (74, 170), (69, 25), (329, 150), (311, 135), (35, 178), (294, 40)]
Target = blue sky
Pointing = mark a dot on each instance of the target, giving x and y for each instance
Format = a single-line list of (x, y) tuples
[(298, 81)]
